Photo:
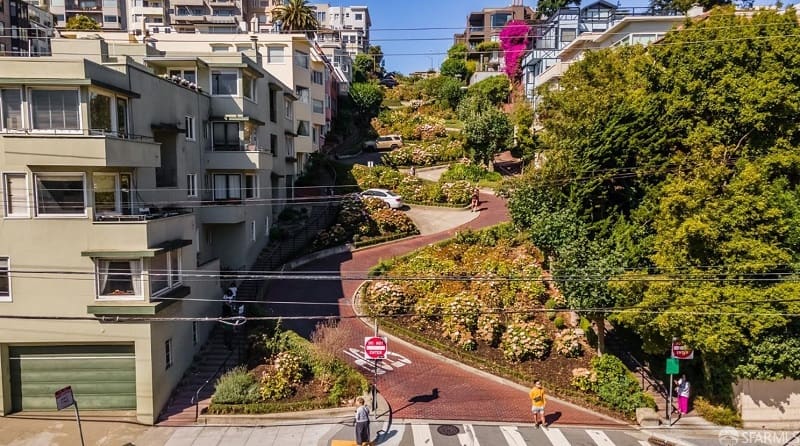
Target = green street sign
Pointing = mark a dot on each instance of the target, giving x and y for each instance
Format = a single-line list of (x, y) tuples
[(673, 366)]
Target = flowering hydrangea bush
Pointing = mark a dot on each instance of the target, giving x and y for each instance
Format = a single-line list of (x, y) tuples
[(429, 131), (392, 221), (282, 377), (425, 153), (584, 379), (514, 39), (490, 329), (568, 343), (386, 298), (525, 340), (457, 192)]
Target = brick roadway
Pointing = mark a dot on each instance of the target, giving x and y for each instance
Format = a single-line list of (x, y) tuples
[(462, 395)]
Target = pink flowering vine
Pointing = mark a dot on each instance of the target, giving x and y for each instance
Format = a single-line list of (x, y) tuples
[(514, 39)]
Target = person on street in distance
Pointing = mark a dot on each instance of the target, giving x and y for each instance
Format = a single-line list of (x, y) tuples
[(538, 402), (362, 422)]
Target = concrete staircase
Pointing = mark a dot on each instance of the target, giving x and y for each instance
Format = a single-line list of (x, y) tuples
[(212, 361)]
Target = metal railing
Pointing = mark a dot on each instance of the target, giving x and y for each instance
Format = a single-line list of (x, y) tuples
[(196, 397)]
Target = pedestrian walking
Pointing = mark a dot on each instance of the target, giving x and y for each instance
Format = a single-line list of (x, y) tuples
[(538, 402), (684, 392), (475, 200), (362, 423), (413, 171)]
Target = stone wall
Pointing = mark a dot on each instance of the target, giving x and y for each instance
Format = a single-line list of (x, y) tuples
[(768, 404)]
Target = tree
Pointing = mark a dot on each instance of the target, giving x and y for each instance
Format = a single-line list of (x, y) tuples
[(367, 98), (495, 89), (546, 8), (458, 51), (362, 68), (486, 134), (80, 22), (296, 15), (445, 90), (685, 5), (454, 67), (376, 54)]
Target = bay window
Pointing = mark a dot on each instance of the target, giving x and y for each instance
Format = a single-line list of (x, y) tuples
[(119, 278), (60, 194), (227, 186), (225, 135), (224, 83), (165, 271), (55, 109), (99, 112)]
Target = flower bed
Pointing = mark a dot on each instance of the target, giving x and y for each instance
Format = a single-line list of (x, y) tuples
[(426, 153), (409, 124), (413, 189)]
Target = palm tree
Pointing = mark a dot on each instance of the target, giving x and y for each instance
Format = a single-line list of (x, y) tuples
[(295, 15)]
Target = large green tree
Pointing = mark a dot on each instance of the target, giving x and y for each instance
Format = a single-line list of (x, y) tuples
[(487, 130), (80, 22), (496, 89), (296, 16), (367, 98)]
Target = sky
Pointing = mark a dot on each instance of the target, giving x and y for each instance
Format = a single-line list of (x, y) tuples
[(399, 27)]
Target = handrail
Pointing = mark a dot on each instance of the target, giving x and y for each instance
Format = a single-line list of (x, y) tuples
[(658, 387), (196, 397)]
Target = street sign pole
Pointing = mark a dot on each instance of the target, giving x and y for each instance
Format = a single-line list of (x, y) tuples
[(64, 399), (673, 368), (375, 376), (78, 417)]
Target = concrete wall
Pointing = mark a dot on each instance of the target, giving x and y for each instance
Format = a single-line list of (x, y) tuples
[(768, 404)]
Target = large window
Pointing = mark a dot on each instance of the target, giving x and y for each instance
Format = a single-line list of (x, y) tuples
[(500, 20), (226, 135), (165, 271), (10, 108), (5, 281), (303, 93), (119, 278), (106, 199), (55, 109), (224, 83), (301, 59), (15, 186), (319, 106), (303, 128), (275, 54), (227, 187), (317, 77), (568, 35), (60, 194)]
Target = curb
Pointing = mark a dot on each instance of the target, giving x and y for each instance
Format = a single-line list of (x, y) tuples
[(666, 440)]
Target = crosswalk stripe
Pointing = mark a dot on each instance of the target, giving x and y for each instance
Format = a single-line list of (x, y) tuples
[(644, 442), (600, 437), (555, 436), (422, 435), (468, 438), (512, 436)]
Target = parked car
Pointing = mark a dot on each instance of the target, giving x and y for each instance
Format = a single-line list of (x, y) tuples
[(386, 142), (392, 199)]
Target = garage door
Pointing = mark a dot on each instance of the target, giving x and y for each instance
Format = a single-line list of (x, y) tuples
[(101, 376)]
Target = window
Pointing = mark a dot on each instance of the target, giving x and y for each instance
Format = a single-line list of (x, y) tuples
[(289, 145), (266, 226), (119, 278), (301, 59), (250, 186), (319, 106), (60, 194), (302, 93), (5, 280), (10, 108), (227, 187), (100, 112), (189, 75), (218, 48), (275, 54), (253, 230), (168, 353), (106, 200), (500, 20), (122, 117), (249, 87), (165, 271), (321, 16), (55, 109), (359, 16), (288, 105), (568, 35), (110, 19), (191, 185), (189, 128), (273, 144), (194, 333), (244, 47), (15, 186), (317, 77), (226, 135), (303, 128), (223, 83), (251, 135), (273, 103)]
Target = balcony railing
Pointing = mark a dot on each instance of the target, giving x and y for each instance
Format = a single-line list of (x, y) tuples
[(137, 214)]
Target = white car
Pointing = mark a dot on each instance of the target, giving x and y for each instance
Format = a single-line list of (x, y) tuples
[(392, 199)]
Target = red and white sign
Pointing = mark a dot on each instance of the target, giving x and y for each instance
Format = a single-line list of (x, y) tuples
[(375, 347), (64, 398), (680, 351)]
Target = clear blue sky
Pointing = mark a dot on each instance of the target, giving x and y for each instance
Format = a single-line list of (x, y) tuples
[(415, 49)]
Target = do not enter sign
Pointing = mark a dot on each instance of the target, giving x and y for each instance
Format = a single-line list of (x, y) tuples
[(375, 347), (680, 351)]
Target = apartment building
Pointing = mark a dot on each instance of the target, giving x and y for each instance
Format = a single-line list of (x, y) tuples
[(560, 39), (109, 14), (25, 29), (485, 25), (128, 183), (352, 22)]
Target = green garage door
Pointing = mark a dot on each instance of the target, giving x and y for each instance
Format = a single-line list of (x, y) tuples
[(101, 376)]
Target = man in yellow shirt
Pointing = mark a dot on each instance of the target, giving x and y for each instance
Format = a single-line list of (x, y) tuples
[(537, 403)]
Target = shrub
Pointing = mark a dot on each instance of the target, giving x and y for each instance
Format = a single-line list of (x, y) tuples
[(392, 221), (559, 323), (386, 298), (469, 172), (584, 379), (550, 305), (525, 340), (236, 386), (283, 376), (718, 414), (568, 343), (617, 387)]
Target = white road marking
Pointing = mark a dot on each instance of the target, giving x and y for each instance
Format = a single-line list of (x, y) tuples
[(468, 438), (644, 442), (512, 436), (422, 435), (600, 437), (555, 436)]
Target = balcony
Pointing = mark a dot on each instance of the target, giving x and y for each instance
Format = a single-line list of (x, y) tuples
[(147, 10), (187, 2), (251, 159), (80, 149), (138, 235), (84, 6), (222, 212)]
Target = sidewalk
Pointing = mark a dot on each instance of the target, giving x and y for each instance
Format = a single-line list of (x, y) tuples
[(694, 430)]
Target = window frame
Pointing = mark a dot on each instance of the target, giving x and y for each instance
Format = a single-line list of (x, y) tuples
[(31, 110), (314, 106), (190, 131), (168, 356), (21, 127), (117, 194), (7, 201), (39, 214), (251, 80), (118, 297), (303, 94), (227, 186), (227, 147), (253, 190), (6, 271), (191, 185), (236, 82), (174, 279), (276, 60), (301, 59)]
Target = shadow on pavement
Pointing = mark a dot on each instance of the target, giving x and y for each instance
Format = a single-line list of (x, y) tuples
[(551, 418)]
